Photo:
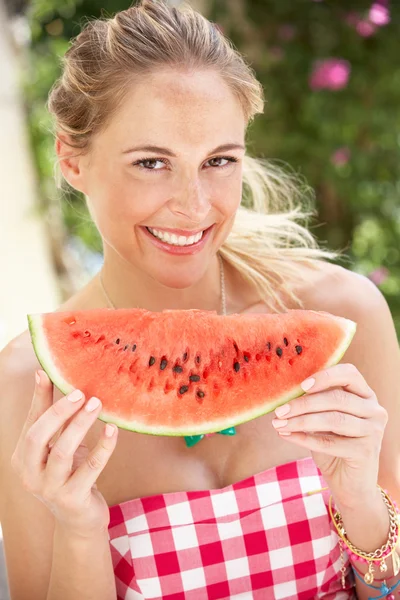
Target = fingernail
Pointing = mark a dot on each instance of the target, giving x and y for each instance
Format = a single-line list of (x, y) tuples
[(92, 404), (307, 384), (277, 423), (285, 432), (37, 377), (282, 410), (109, 430), (75, 396)]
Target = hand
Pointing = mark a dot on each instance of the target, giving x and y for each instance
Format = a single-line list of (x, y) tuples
[(63, 474), (341, 422)]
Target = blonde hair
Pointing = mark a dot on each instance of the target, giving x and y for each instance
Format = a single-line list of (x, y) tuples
[(267, 245)]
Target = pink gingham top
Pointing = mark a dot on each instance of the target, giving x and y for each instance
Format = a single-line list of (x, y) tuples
[(265, 537)]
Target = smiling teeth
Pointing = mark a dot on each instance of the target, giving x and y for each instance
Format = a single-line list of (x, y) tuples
[(176, 240)]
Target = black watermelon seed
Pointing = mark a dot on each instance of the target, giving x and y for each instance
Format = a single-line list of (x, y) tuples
[(198, 359), (152, 361), (200, 394), (285, 341), (163, 364), (235, 346), (177, 369), (299, 349), (133, 347), (279, 351), (117, 341), (269, 345), (194, 378), (127, 346), (236, 366), (246, 358), (185, 356), (183, 389)]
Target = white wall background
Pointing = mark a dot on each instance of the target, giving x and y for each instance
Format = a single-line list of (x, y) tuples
[(27, 279)]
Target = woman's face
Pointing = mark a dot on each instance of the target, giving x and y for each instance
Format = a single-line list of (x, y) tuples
[(169, 162)]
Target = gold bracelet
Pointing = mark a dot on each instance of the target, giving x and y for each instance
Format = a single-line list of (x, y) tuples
[(377, 556)]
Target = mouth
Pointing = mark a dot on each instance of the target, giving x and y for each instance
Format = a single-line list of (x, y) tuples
[(173, 239)]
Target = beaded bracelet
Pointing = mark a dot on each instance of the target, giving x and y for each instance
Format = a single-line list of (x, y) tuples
[(379, 556), (381, 579), (386, 592)]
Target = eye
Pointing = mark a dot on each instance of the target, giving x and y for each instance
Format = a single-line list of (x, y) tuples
[(149, 164), (216, 161)]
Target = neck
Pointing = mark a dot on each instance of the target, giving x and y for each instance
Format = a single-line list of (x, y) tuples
[(128, 287)]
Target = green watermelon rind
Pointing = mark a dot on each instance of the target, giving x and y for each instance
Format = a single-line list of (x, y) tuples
[(43, 353)]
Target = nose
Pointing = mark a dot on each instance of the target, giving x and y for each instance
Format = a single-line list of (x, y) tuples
[(191, 200)]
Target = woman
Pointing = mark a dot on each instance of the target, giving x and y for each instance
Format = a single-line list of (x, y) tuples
[(151, 114)]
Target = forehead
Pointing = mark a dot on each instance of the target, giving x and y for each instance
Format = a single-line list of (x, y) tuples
[(184, 108)]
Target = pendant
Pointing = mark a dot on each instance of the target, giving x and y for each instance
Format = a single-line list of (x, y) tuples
[(383, 566), (192, 440), (395, 563), (384, 589), (369, 575)]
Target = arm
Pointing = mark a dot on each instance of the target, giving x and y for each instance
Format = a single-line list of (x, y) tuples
[(57, 561), (81, 568), (376, 353), (372, 443)]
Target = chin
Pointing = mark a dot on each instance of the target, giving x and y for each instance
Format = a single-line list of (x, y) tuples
[(178, 280)]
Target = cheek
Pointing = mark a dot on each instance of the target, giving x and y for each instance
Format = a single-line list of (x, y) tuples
[(126, 199), (227, 193)]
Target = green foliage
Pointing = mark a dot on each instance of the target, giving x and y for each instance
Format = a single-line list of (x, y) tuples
[(357, 189)]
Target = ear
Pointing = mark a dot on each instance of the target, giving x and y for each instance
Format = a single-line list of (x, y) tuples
[(71, 161)]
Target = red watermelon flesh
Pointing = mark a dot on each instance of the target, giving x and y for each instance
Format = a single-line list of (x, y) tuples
[(186, 372)]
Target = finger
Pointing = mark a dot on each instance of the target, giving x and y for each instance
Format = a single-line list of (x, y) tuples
[(35, 451), (42, 400), (334, 399), (343, 375), (327, 443), (330, 421), (61, 457), (88, 472)]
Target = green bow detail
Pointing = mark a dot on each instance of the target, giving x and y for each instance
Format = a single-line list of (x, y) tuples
[(191, 440)]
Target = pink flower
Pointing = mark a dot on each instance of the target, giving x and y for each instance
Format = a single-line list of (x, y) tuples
[(379, 15), (341, 156), (330, 74), (365, 28), (379, 275)]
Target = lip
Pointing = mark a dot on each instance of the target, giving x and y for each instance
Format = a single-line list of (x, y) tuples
[(185, 232), (179, 250)]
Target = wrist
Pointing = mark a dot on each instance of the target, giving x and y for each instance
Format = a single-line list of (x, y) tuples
[(367, 525), (367, 504), (66, 533)]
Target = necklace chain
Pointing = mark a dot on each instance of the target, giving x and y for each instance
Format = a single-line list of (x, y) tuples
[(222, 279)]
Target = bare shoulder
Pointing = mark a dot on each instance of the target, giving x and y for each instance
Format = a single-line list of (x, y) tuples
[(18, 363), (348, 294), (342, 292)]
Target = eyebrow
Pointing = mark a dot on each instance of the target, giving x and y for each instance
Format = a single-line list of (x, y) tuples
[(167, 152)]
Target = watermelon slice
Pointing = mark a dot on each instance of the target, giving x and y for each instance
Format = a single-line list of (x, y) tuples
[(186, 372)]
